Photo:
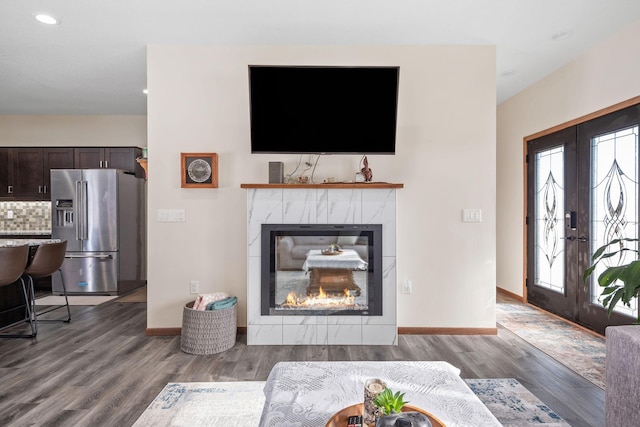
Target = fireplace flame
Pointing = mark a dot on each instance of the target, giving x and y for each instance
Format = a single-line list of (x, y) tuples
[(322, 299)]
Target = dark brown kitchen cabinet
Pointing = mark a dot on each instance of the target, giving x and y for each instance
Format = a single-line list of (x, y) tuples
[(6, 173), (55, 158), (26, 176), (109, 158), (25, 171)]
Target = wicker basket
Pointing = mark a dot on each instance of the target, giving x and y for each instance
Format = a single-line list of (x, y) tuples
[(208, 331)]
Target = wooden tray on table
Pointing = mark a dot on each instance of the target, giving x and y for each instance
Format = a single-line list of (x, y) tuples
[(340, 418)]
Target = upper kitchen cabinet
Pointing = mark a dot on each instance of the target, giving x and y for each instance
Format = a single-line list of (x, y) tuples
[(55, 158), (25, 171), (6, 173), (110, 158), (28, 173)]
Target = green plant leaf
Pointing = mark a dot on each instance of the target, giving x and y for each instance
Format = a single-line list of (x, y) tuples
[(588, 272), (610, 275), (608, 290), (613, 300)]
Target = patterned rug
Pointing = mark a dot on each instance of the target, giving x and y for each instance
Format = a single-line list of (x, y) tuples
[(205, 404), (577, 349), (216, 404), (512, 404)]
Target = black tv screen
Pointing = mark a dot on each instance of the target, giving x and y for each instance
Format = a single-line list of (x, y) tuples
[(318, 110)]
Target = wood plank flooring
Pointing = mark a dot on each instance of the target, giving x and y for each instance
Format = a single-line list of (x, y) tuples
[(101, 369)]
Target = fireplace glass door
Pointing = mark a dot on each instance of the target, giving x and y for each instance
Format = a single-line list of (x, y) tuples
[(321, 269)]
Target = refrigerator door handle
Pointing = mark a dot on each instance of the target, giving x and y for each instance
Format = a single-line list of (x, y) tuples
[(85, 210), (78, 209), (85, 255)]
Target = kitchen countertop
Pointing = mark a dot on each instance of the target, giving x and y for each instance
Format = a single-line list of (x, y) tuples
[(25, 232), (5, 243)]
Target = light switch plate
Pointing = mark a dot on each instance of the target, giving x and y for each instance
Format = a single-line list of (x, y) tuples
[(171, 215), (472, 215)]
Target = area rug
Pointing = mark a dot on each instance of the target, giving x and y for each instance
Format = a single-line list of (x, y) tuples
[(216, 404), (74, 300), (577, 349), (512, 404), (139, 295), (205, 404)]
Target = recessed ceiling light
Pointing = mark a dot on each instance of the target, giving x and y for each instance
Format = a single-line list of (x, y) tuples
[(145, 91), (562, 35), (46, 19)]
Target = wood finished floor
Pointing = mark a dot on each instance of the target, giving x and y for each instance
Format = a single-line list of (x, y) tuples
[(101, 369)]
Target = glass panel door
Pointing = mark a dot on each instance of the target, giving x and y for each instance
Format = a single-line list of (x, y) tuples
[(608, 177), (582, 192), (551, 216)]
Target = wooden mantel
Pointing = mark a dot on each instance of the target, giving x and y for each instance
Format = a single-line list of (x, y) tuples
[(339, 185)]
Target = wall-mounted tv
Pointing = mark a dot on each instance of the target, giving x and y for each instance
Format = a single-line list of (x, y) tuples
[(323, 110)]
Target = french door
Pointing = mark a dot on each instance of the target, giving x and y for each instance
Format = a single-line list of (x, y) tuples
[(582, 191)]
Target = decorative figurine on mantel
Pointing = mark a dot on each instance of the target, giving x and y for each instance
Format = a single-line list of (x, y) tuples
[(367, 173)]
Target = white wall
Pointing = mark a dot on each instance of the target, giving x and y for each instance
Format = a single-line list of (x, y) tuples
[(73, 131), (603, 76), (198, 102)]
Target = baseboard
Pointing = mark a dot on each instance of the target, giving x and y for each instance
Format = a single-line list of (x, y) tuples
[(160, 332), (510, 294), (447, 331), (163, 332), (242, 330)]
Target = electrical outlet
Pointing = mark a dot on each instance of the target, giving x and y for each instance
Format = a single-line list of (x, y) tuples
[(407, 286), (193, 285)]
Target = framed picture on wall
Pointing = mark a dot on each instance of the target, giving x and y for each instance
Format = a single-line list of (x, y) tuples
[(199, 170)]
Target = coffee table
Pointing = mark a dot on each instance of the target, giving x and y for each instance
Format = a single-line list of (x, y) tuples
[(333, 273), (307, 394)]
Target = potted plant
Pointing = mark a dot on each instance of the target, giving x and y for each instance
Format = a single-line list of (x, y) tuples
[(620, 282), (391, 405), (388, 402)]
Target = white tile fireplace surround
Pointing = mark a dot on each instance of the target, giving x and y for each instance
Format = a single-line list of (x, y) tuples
[(321, 204)]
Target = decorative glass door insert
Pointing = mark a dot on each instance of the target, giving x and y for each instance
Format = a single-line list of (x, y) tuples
[(549, 219), (614, 196)]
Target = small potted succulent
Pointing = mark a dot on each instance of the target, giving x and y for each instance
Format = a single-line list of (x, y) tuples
[(391, 405)]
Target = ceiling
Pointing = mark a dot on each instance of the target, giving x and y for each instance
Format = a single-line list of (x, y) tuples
[(94, 60)]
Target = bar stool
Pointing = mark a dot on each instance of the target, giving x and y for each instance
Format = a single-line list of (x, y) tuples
[(48, 259), (13, 261)]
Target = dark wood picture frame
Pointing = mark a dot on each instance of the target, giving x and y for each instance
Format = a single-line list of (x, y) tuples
[(199, 170)]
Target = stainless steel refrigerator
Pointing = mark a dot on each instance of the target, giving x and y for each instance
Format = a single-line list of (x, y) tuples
[(101, 215)]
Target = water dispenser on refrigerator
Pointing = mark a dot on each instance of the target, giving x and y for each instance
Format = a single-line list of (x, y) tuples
[(64, 212)]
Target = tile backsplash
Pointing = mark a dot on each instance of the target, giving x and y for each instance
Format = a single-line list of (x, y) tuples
[(27, 216)]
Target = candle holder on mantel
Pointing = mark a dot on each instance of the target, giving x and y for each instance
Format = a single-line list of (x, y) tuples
[(143, 162)]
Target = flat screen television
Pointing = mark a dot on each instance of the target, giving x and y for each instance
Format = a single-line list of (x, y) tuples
[(323, 110)]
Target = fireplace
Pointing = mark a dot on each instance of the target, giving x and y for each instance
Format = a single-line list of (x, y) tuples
[(306, 206), (328, 269)]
